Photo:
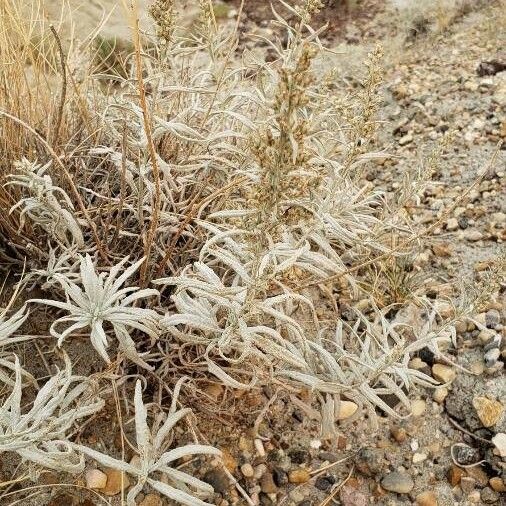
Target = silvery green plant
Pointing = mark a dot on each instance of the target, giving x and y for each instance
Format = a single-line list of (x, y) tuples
[(38, 434), (8, 327), (303, 213), (47, 205), (154, 458), (101, 298)]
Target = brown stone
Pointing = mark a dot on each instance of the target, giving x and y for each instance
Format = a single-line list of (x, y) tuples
[(478, 474), (399, 434), (497, 484), (152, 500), (455, 475), (95, 479), (267, 483), (299, 475), (489, 411), (443, 373), (116, 482), (427, 498)]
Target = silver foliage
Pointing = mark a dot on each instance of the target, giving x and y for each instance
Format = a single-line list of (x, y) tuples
[(154, 458)]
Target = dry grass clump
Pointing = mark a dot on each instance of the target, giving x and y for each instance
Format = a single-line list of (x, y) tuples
[(235, 187)]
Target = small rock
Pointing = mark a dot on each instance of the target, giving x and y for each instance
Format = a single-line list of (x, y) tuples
[(473, 235), (214, 390), (406, 139), (488, 411), (478, 474), (491, 67), (116, 482), (419, 457), (218, 479), (485, 335), (492, 318), (325, 482), (474, 497), (152, 500), (427, 498), (492, 356), (489, 496), (440, 394), (477, 367), (401, 483), (497, 484), (467, 484), (96, 479), (399, 434), (499, 441), (418, 407), (346, 409), (299, 475), (247, 470), (267, 483), (495, 342), (452, 224), (455, 475), (443, 373), (466, 455)]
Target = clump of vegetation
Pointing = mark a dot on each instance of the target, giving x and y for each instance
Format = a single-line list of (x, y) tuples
[(235, 187)]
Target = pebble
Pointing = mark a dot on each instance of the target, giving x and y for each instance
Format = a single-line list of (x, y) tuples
[(467, 484), (497, 484), (452, 224), (398, 482), (492, 318), (218, 480), (486, 335), (494, 342), (499, 441), (399, 434), (419, 457), (116, 482), (152, 500), (427, 498), (325, 482), (96, 479), (418, 407), (440, 394), (473, 235), (466, 455), (406, 139), (300, 475), (455, 474), (346, 409), (247, 470), (267, 483), (443, 373), (492, 356), (474, 497), (489, 496), (489, 411)]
